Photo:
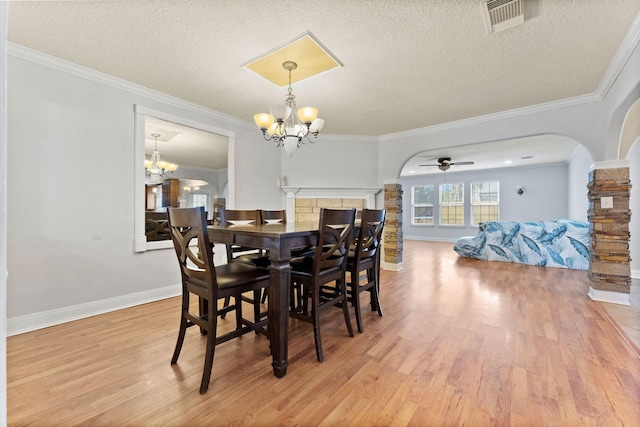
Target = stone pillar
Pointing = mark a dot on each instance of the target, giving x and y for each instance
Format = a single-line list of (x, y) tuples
[(392, 241), (609, 217)]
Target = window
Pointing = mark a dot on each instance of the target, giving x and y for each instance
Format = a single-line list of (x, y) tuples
[(452, 204), (485, 201), (422, 204), (199, 199)]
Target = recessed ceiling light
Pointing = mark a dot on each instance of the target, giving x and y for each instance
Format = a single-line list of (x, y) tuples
[(412, 171), (508, 161)]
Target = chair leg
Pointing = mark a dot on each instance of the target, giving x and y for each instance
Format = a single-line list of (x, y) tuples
[(203, 307), (256, 307), (315, 314), (211, 347), (227, 301), (375, 292), (238, 299), (345, 307), (183, 327), (355, 301), (181, 334)]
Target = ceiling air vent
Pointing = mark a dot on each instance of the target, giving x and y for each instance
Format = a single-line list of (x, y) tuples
[(502, 14)]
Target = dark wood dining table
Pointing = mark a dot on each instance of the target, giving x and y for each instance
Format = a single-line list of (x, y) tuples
[(279, 239)]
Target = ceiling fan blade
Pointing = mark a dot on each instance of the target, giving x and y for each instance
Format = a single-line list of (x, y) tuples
[(430, 165), (461, 163)]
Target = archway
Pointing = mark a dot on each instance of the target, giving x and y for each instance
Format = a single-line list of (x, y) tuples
[(539, 177)]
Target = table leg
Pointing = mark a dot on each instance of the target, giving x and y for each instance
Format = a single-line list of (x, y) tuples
[(280, 272)]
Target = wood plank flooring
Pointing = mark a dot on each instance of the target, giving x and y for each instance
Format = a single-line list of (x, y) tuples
[(462, 342)]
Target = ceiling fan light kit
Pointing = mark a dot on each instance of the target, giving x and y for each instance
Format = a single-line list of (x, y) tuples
[(444, 163)]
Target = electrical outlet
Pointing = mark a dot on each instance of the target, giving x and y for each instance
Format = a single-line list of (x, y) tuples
[(606, 202)]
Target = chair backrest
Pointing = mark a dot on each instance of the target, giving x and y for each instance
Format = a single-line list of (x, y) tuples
[(196, 261), (274, 216), (244, 216), (370, 234), (334, 237)]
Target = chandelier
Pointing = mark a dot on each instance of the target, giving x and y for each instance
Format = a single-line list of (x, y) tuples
[(286, 128), (157, 167)]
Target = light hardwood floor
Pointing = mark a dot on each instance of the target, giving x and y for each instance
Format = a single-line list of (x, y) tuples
[(462, 342)]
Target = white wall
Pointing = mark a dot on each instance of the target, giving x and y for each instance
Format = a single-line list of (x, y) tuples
[(333, 161), (577, 179), (544, 198), (71, 188), (3, 217)]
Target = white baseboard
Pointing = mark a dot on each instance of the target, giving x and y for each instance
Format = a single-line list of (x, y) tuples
[(31, 322), (391, 266), (432, 239), (609, 296)]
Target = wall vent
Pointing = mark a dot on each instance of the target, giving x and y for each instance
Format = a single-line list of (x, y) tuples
[(502, 14)]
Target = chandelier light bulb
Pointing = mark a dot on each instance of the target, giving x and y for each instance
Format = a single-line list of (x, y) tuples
[(307, 114), (263, 120)]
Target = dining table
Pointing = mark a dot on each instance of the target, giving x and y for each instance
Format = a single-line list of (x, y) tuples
[(279, 239)]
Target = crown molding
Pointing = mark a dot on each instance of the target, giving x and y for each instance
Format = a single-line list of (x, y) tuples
[(517, 112), (620, 59), (58, 64)]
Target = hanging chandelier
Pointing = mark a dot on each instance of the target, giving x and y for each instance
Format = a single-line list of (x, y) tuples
[(286, 128), (156, 167)]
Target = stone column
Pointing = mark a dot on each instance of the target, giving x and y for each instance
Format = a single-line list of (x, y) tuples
[(393, 227), (609, 217)]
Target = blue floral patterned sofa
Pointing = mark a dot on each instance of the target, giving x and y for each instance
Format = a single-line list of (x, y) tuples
[(563, 243)]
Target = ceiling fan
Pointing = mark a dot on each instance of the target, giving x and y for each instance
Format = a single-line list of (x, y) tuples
[(444, 163)]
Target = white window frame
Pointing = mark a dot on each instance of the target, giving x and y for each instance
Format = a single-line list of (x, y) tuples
[(442, 204), (415, 205), (475, 200)]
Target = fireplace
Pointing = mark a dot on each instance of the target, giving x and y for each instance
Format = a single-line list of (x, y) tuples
[(304, 203)]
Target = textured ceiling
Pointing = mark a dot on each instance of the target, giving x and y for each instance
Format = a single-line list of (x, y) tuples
[(408, 64)]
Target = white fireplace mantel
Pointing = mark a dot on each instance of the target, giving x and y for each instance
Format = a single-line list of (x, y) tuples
[(324, 192), (293, 193)]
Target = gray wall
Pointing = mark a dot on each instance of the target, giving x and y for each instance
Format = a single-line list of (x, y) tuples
[(578, 177), (545, 197), (71, 188)]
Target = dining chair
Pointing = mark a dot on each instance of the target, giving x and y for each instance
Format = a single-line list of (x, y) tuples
[(246, 255), (273, 216), (365, 257), (240, 216), (312, 276), (201, 279)]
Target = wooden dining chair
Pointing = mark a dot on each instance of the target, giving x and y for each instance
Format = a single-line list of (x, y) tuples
[(201, 279), (240, 216), (245, 255), (320, 278), (273, 216), (364, 257)]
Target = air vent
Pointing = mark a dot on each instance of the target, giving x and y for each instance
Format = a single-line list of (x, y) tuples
[(502, 14)]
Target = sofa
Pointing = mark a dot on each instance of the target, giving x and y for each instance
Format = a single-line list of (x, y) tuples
[(562, 243)]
